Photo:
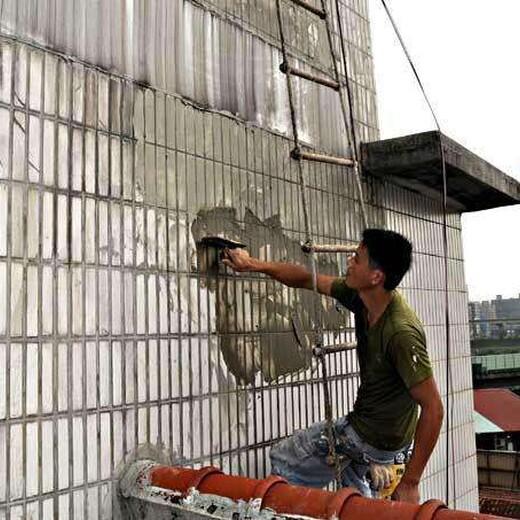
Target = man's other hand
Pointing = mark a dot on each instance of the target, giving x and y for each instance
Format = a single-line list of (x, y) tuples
[(239, 260), (381, 475), (407, 492)]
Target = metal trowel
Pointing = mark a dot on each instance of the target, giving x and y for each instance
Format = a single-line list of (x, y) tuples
[(211, 251), (221, 243)]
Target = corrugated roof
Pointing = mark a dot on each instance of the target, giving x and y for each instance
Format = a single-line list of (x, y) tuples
[(500, 406), (483, 425)]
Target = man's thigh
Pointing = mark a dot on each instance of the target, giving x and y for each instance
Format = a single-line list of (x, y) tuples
[(364, 459), (301, 458)]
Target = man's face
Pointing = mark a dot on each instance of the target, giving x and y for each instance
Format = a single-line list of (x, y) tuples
[(360, 274)]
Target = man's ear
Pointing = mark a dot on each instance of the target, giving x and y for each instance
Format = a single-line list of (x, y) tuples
[(378, 277)]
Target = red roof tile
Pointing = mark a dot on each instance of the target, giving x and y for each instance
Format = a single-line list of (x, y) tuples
[(500, 406)]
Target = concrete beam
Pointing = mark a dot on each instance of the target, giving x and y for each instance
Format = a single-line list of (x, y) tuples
[(414, 161)]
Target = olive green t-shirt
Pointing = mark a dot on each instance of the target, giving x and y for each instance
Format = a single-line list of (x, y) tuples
[(392, 358)]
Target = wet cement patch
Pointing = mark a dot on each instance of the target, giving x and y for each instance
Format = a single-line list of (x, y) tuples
[(263, 326)]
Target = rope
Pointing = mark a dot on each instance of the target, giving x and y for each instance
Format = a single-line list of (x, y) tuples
[(308, 236), (350, 129), (352, 121), (449, 382)]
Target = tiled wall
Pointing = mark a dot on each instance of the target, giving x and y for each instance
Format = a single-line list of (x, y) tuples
[(113, 336), (420, 219)]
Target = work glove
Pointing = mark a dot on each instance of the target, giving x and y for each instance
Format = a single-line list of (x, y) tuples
[(381, 475)]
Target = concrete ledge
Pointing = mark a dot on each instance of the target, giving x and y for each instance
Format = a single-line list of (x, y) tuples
[(414, 161)]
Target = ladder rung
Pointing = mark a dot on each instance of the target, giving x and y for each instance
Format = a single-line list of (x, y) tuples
[(316, 10), (333, 349), (300, 155), (322, 80), (329, 248)]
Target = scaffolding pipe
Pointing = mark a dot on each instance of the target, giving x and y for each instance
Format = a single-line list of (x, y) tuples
[(326, 82), (329, 248), (309, 7), (333, 349), (146, 480), (299, 155)]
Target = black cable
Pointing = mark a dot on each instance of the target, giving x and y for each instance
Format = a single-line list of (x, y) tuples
[(449, 406)]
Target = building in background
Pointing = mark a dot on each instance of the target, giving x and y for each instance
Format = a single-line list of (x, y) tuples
[(495, 343), (129, 131), (482, 316), (495, 319)]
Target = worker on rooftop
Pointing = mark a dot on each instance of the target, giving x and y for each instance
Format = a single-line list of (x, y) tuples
[(395, 372)]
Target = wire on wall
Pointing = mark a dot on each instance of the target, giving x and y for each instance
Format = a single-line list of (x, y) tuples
[(449, 385)]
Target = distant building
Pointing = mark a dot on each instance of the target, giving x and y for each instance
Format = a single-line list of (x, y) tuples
[(507, 308), (481, 318), (495, 319)]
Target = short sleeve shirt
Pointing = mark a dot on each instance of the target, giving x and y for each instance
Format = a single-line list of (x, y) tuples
[(393, 358)]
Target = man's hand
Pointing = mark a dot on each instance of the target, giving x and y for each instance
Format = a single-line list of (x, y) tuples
[(239, 260), (381, 475), (407, 492)]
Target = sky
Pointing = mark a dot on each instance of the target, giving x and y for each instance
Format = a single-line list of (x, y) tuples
[(467, 55)]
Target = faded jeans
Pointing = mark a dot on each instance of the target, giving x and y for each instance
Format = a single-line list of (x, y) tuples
[(300, 458)]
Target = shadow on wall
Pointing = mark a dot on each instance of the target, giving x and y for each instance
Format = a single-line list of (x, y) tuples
[(263, 326)]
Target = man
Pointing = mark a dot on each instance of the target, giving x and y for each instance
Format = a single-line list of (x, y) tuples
[(395, 372)]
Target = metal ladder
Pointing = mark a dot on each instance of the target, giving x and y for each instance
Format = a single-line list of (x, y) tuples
[(320, 351)]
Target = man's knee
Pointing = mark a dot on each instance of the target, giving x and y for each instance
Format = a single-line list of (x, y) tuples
[(300, 458)]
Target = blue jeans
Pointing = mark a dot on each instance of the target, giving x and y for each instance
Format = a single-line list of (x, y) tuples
[(300, 458)]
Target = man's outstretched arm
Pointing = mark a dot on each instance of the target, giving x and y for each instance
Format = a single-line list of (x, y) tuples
[(426, 394), (292, 275)]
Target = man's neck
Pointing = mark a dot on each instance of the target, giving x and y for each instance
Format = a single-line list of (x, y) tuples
[(376, 300)]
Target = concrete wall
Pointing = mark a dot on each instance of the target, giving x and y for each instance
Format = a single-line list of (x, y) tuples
[(112, 338)]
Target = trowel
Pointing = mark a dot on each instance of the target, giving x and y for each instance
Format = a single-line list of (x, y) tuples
[(213, 249), (221, 243)]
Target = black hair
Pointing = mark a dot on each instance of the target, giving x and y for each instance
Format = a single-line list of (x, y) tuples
[(390, 252)]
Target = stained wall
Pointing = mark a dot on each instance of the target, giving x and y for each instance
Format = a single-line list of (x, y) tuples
[(129, 131)]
